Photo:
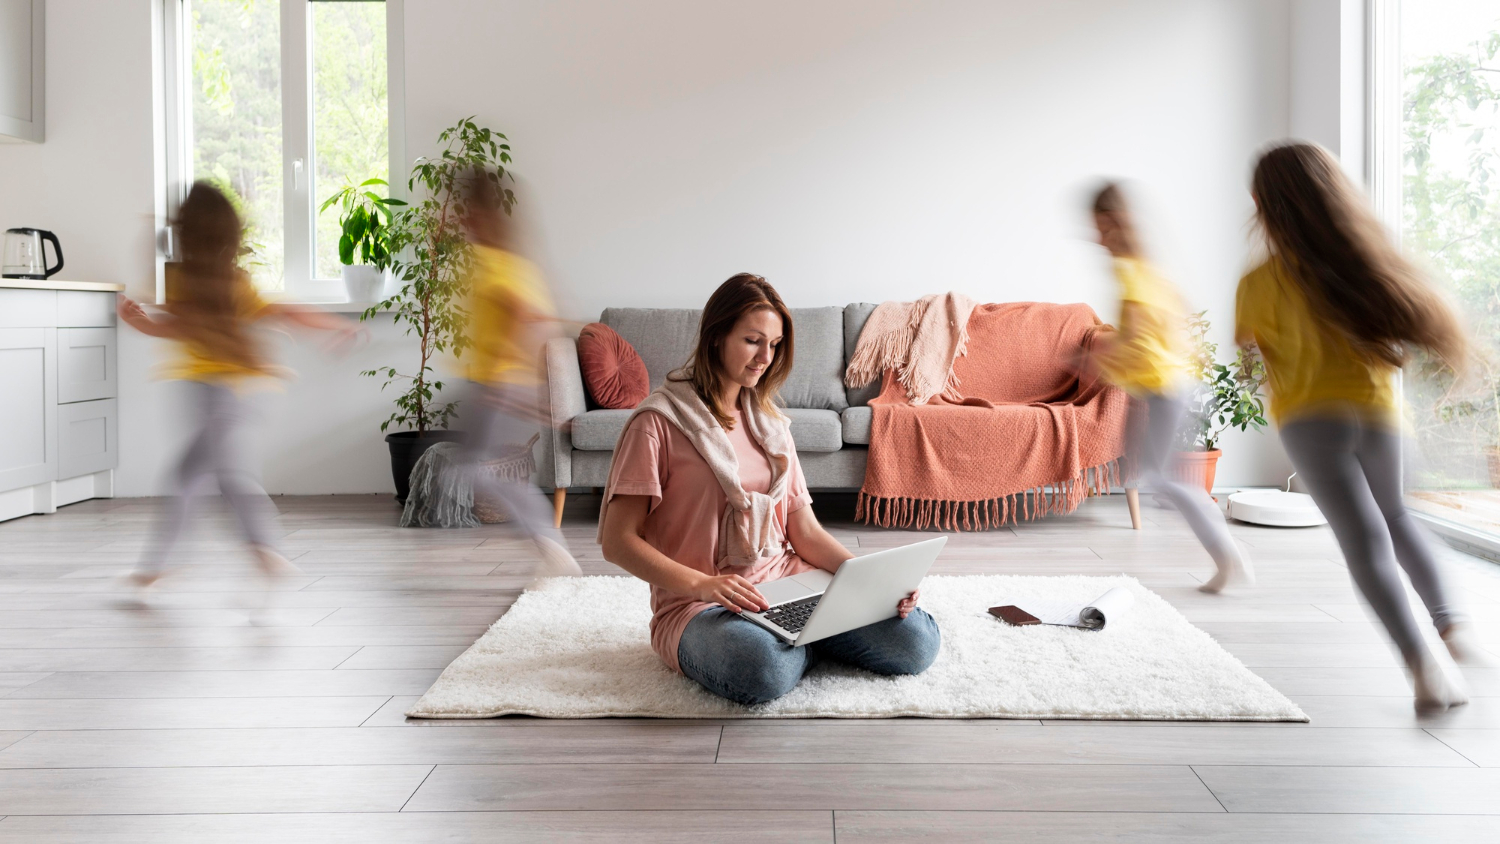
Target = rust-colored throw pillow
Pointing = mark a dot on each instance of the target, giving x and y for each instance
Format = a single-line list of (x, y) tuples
[(613, 370)]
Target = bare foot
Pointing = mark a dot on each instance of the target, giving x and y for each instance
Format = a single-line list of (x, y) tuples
[(272, 564), (555, 562), (1463, 646), (1436, 690), (1236, 571), (141, 579)]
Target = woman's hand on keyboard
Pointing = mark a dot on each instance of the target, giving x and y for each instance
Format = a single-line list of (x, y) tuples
[(732, 592), (907, 604)]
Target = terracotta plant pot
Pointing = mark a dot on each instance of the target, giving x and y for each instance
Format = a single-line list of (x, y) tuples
[(1196, 467)]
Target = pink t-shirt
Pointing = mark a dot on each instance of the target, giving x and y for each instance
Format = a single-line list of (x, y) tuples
[(654, 458)]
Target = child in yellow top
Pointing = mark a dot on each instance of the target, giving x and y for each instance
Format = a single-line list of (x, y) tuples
[(1310, 369), (508, 301), (1147, 357), (510, 317), (210, 311), (1333, 312)]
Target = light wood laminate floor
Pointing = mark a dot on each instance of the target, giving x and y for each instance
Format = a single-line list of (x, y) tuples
[(183, 721)]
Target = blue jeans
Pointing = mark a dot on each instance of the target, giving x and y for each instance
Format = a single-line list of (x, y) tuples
[(742, 661)]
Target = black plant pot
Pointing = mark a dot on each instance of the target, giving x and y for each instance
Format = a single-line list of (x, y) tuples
[(406, 449)]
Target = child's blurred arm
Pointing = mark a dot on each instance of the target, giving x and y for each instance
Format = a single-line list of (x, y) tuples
[(345, 330), (135, 316)]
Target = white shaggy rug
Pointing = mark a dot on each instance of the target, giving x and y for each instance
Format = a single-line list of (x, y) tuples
[(579, 648)]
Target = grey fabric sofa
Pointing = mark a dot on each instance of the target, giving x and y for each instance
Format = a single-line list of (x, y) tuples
[(830, 424)]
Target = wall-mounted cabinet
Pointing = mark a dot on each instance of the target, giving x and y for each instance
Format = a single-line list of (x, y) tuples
[(22, 69), (59, 417)]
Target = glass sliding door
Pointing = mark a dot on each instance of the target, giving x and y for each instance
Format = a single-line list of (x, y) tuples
[(1450, 219)]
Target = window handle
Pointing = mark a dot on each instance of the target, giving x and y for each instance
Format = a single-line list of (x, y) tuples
[(297, 174)]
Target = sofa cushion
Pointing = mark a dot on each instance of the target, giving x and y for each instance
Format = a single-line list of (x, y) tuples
[(665, 337), (857, 424), (812, 430), (815, 429), (818, 371), (599, 430), (855, 316), (612, 371)]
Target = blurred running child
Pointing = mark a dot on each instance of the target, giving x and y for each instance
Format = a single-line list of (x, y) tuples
[(1335, 311), (511, 316), (1148, 358), (210, 314)]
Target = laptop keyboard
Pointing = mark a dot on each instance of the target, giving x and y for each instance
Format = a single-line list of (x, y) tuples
[(793, 617)]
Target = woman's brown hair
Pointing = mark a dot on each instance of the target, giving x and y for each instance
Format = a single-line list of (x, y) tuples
[(208, 299), (1110, 202), (1352, 273), (740, 295)]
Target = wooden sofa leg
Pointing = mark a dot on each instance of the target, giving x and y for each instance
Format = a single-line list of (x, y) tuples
[(558, 497), (1133, 501)]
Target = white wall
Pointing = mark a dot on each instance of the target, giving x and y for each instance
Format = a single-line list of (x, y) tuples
[(847, 150), (855, 150)]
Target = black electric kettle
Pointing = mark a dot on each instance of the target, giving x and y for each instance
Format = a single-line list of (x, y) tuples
[(24, 257)]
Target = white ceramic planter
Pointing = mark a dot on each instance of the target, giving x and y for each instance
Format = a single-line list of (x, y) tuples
[(364, 283)]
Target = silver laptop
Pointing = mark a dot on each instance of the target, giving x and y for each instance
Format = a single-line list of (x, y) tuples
[(815, 605)]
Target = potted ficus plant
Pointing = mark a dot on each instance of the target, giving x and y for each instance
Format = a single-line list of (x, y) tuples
[(1224, 396), (431, 257), (365, 226)]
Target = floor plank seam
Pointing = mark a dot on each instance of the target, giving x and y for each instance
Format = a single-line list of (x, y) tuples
[(1215, 796), (1428, 731), (417, 789)]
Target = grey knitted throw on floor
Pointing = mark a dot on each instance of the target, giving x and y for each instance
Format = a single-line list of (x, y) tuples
[(442, 490)]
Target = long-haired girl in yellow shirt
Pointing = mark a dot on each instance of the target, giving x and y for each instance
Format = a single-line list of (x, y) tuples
[(1334, 311), (210, 315)]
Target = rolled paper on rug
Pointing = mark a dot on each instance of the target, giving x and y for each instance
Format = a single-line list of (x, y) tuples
[(1113, 604)]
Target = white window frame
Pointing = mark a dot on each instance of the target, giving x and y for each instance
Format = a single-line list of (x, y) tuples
[(1383, 110), (174, 132)]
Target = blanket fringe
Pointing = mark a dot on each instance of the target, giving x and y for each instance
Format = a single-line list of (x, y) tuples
[(1054, 499)]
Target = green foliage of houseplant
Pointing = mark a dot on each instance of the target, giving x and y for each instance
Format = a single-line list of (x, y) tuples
[(1451, 222), (433, 261), (365, 224), (1224, 396)]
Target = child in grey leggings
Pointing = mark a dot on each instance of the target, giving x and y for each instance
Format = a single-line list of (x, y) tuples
[(1154, 449), (501, 416), (1352, 470), (215, 453)]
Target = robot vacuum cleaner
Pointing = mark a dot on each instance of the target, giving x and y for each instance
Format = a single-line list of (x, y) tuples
[(1275, 508)]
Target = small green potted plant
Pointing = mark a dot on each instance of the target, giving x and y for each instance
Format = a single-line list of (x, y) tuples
[(1224, 396), (365, 222)]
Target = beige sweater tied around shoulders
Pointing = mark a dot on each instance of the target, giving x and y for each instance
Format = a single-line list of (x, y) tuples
[(748, 531)]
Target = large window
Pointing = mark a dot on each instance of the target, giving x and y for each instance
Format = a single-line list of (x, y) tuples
[(1450, 218), (281, 103)]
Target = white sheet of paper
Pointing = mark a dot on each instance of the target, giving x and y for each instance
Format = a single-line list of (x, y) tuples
[(1093, 615)]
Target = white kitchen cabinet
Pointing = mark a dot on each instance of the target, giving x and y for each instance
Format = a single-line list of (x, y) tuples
[(87, 437), (85, 364), (23, 90), (59, 415), (28, 415)]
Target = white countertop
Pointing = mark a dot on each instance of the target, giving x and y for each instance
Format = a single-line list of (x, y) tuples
[(54, 284)]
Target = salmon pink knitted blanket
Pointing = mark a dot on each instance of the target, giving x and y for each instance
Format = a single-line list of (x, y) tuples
[(1027, 437)]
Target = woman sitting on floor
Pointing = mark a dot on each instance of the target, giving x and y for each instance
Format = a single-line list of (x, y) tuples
[(706, 499)]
